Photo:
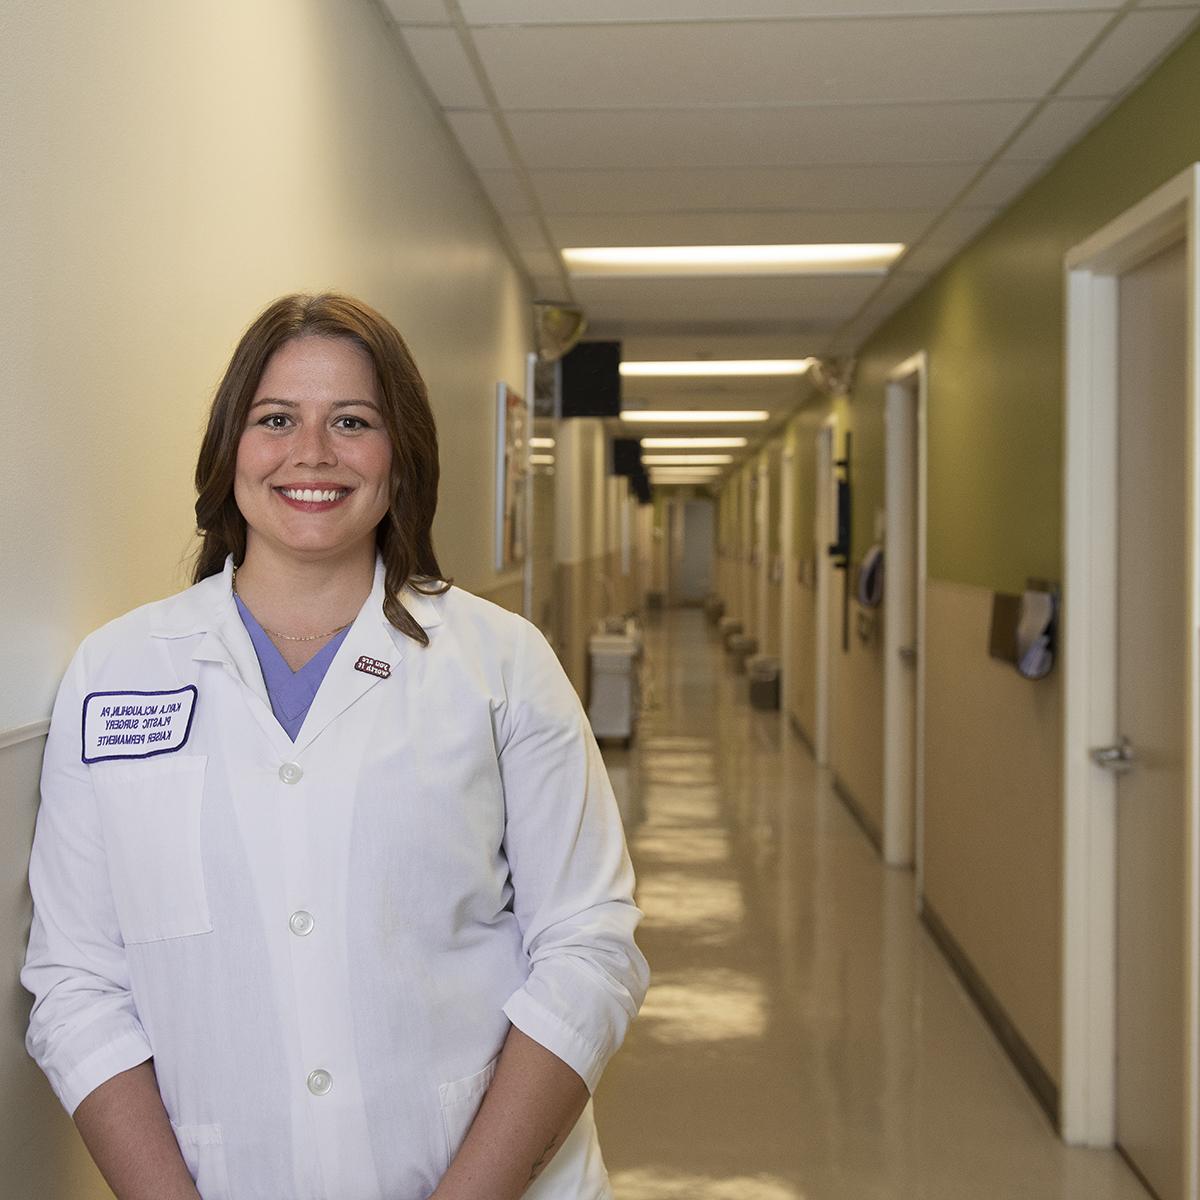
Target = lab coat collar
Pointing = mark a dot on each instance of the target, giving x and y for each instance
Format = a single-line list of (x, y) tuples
[(207, 610)]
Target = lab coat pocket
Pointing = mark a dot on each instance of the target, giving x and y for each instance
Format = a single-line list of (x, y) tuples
[(150, 811), (460, 1102), (204, 1154)]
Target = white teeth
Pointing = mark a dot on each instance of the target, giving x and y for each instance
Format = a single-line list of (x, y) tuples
[(311, 496)]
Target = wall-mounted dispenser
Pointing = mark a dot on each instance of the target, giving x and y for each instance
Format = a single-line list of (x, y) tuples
[(1024, 628)]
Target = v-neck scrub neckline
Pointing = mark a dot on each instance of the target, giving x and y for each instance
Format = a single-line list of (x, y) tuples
[(291, 692)]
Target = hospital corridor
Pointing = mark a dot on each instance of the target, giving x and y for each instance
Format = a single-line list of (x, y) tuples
[(804, 1037), (601, 600)]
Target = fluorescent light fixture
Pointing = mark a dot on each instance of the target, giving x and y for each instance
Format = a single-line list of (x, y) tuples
[(685, 460), (542, 443), (690, 472), (733, 416), (697, 367), (542, 460), (694, 443), (829, 258)]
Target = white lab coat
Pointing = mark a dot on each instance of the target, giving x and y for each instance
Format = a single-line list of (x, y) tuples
[(322, 943)]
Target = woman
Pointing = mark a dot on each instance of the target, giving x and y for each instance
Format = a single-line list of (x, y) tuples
[(331, 894)]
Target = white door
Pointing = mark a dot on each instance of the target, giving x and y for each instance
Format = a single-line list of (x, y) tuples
[(696, 564), (1152, 627)]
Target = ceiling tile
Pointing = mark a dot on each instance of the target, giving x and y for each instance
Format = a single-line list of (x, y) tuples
[(958, 228), (1137, 43), (542, 264), (548, 287), (439, 55), (480, 139), (896, 186), (505, 191), (1057, 126), (764, 137), (820, 301), (538, 12), (738, 229), (809, 62), (418, 11), (525, 231), (1003, 182), (670, 347)]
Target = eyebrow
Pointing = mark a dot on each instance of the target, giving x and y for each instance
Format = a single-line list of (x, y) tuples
[(336, 404)]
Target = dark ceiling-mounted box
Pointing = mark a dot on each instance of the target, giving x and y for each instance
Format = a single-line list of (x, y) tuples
[(591, 380), (627, 456)]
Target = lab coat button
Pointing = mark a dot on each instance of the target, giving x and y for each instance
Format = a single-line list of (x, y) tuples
[(301, 923), (291, 772), (319, 1082)]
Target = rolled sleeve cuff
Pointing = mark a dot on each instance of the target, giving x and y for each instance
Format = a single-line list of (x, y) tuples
[(546, 1028), (120, 1053)]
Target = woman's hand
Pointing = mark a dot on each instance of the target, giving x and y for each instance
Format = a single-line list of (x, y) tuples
[(532, 1105)]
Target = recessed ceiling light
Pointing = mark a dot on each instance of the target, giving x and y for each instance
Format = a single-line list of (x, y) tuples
[(698, 367), (542, 460), (695, 415), (833, 258), (685, 460), (694, 443), (542, 443)]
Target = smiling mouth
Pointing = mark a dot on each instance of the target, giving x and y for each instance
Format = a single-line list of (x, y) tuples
[(314, 495)]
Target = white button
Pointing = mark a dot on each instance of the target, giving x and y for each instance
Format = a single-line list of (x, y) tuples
[(291, 773), (319, 1082), (301, 923)]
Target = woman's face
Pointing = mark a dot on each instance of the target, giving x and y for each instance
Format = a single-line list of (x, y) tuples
[(314, 462)]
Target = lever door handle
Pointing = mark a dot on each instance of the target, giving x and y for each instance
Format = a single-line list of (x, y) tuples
[(1119, 758)]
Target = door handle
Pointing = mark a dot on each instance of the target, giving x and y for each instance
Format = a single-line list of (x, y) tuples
[(1119, 758), (908, 653)]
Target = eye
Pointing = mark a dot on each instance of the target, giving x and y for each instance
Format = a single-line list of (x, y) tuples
[(275, 420), (351, 423)]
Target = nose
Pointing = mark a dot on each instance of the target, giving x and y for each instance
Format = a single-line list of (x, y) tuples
[(313, 446)]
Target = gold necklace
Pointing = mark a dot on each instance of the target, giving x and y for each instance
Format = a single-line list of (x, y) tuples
[(291, 637)]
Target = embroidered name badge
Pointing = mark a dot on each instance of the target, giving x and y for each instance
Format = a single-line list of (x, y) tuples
[(136, 724), (372, 666)]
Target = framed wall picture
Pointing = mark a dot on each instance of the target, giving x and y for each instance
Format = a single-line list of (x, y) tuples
[(512, 476)]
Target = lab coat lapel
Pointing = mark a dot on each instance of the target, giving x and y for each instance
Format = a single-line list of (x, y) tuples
[(372, 643), (344, 682)]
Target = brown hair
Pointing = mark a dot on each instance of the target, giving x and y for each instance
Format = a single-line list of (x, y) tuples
[(404, 535)]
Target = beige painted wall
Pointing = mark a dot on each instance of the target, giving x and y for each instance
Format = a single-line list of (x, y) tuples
[(165, 171), (993, 827)]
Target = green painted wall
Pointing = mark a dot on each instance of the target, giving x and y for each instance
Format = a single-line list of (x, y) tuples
[(992, 324)]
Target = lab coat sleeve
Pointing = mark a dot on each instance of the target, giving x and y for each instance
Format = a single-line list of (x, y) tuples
[(571, 875), (84, 1028)]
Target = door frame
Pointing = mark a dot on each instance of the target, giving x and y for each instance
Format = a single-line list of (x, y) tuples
[(1092, 269), (906, 399), (823, 535), (787, 600)]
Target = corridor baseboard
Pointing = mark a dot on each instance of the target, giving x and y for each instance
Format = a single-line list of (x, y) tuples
[(801, 733), (857, 811), (1044, 1089)]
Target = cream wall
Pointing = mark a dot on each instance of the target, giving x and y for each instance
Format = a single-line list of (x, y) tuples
[(165, 171)]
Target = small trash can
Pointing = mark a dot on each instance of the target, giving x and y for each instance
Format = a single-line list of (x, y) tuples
[(741, 646), (763, 670)]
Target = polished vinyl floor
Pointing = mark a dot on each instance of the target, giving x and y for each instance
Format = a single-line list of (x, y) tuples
[(803, 1039)]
